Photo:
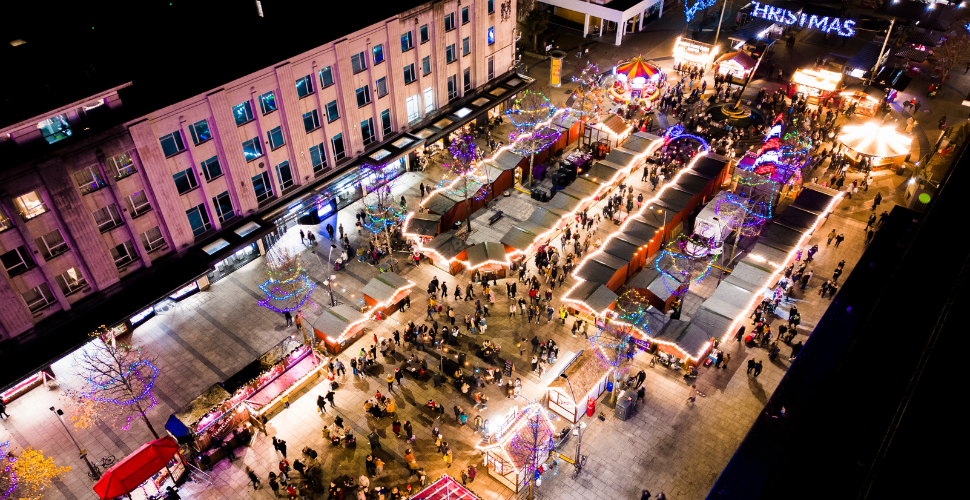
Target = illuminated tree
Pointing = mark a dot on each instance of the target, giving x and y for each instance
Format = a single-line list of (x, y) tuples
[(631, 307), (119, 377), (684, 261), (83, 411), (954, 51), (464, 166), (289, 286), (531, 444), (588, 95), (531, 115), (383, 212), (28, 476)]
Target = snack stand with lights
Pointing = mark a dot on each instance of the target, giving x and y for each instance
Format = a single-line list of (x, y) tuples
[(815, 85), (737, 65), (526, 434), (637, 81), (444, 250), (386, 292), (340, 326), (865, 104), (588, 377), (884, 146), (693, 54)]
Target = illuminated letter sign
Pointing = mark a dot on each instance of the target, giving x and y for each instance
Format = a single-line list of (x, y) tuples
[(787, 17)]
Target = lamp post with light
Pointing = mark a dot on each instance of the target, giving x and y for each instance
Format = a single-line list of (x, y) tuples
[(578, 430), (329, 284), (663, 237), (95, 473)]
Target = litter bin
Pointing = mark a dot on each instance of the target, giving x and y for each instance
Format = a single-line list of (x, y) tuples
[(625, 404)]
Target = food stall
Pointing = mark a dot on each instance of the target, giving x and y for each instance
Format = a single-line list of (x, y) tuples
[(524, 438), (489, 259), (883, 146), (443, 250), (637, 81), (735, 65), (445, 488), (588, 376), (684, 342), (815, 85), (144, 472), (865, 104), (386, 293), (692, 54), (339, 327)]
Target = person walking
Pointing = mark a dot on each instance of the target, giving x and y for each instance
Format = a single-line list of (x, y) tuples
[(330, 399), (302, 237), (370, 465), (274, 484), (378, 467), (253, 477), (839, 239), (692, 393), (3, 409), (472, 472), (390, 382), (869, 236), (321, 404), (757, 368), (831, 237), (448, 457), (876, 201), (751, 365), (795, 349), (872, 220)]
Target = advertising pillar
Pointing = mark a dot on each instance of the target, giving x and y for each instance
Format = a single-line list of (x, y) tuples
[(555, 72)]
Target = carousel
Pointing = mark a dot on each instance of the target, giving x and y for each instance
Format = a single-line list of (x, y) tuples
[(637, 81), (871, 142)]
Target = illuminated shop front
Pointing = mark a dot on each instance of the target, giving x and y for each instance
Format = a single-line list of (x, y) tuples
[(737, 65), (693, 54), (814, 85), (882, 146)]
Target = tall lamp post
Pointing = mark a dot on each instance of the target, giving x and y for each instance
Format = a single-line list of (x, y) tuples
[(330, 282), (663, 229), (95, 473), (578, 430)]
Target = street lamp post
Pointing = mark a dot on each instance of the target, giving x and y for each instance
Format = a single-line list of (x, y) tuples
[(576, 431), (330, 282), (95, 473), (663, 229)]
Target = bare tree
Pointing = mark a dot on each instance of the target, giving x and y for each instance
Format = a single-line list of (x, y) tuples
[(954, 51), (463, 165), (120, 376), (384, 213), (530, 115)]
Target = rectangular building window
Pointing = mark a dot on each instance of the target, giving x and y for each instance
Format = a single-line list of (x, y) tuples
[(466, 46), (107, 218), (89, 179), (467, 79), (284, 175), (275, 137), (424, 33), (304, 86), (450, 55), (491, 35), (252, 149), (413, 106), (54, 129), (138, 204), (381, 87), (367, 131), (385, 122), (406, 42), (39, 297), (318, 158), (172, 144), (51, 244), (223, 204), (262, 187), (409, 73), (267, 102), (426, 65), (332, 112), (17, 261), (242, 113), (185, 181), (428, 100), (311, 121), (452, 87), (358, 62), (337, 142), (211, 168), (363, 96), (70, 281), (124, 254), (121, 165), (199, 219), (449, 21), (326, 77), (152, 239), (464, 15), (30, 205), (491, 6), (491, 67), (200, 132), (378, 53), (5, 222)]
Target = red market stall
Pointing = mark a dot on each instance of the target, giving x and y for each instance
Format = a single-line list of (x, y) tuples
[(815, 85), (143, 471), (339, 327), (446, 488), (386, 293), (735, 64)]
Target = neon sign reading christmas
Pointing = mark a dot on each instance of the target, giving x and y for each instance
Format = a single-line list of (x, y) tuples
[(785, 16)]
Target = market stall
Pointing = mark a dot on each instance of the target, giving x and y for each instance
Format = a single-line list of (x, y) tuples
[(488, 259), (684, 342), (637, 81), (443, 250), (590, 298), (209, 418), (386, 293), (512, 453), (339, 327), (735, 65), (144, 472), (862, 101), (423, 225), (815, 85), (692, 54), (445, 488), (588, 376), (879, 146), (501, 170)]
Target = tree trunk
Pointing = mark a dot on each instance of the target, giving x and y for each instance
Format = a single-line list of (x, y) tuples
[(531, 159), (468, 206)]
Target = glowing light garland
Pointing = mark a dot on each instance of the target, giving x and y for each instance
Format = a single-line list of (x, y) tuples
[(677, 132), (9, 460), (146, 392), (509, 447), (691, 10), (284, 285), (532, 116)]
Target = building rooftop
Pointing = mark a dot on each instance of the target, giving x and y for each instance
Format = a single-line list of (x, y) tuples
[(169, 50)]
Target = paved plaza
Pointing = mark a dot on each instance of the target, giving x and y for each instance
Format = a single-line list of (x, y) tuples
[(667, 446)]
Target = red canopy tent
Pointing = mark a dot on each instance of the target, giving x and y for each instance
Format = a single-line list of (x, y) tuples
[(445, 488), (128, 474)]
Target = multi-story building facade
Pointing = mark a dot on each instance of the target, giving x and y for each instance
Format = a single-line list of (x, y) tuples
[(199, 174)]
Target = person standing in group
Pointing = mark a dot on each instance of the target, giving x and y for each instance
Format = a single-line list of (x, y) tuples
[(390, 382), (302, 237), (751, 365), (757, 368), (448, 457), (472, 472)]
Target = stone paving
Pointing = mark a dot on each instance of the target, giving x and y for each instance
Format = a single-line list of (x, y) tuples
[(676, 448)]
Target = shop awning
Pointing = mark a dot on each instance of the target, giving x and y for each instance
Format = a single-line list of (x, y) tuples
[(866, 58), (335, 321), (581, 188), (613, 124), (893, 78), (742, 58), (710, 166), (506, 160), (912, 54), (595, 296), (486, 253), (562, 204), (518, 238), (600, 173), (685, 335), (286, 379), (446, 245), (814, 198), (128, 474), (621, 247), (692, 184), (424, 224), (385, 286)]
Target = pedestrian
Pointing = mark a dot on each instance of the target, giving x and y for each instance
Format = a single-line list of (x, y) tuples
[(472, 472), (274, 484), (408, 430), (253, 478), (869, 236), (448, 457), (795, 349), (227, 450), (720, 359), (464, 477), (330, 398), (322, 403), (692, 393), (330, 231), (757, 368), (872, 220), (876, 201), (390, 382), (378, 467), (370, 465), (645, 495), (288, 317), (831, 237), (302, 237), (751, 365), (838, 239), (3, 409)]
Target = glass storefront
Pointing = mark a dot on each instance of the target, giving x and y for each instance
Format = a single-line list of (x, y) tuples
[(240, 258)]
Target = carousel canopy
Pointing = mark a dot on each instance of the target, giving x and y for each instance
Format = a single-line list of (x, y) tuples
[(872, 139), (739, 57), (638, 68)]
